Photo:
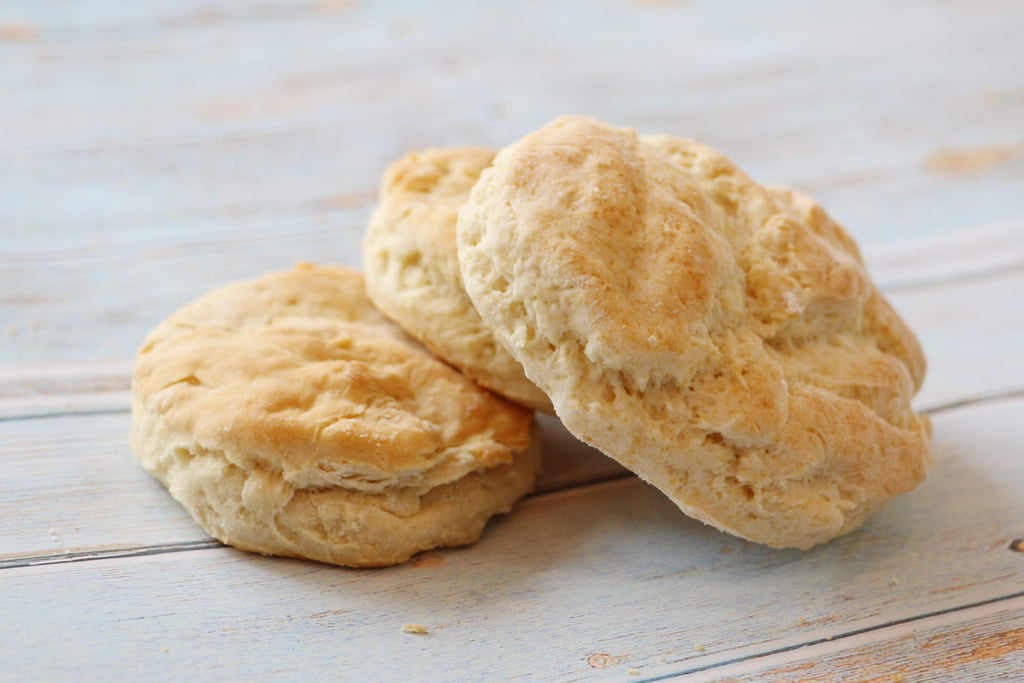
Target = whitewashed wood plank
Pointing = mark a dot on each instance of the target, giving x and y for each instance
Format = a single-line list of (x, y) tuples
[(972, 340), (54, 387), (971, 327), (167, 113), (609, 575), (972, 332), (270, 123), (976, 251), (100, 300), (222, 172), (984, 643), (491, 39), (71, 485)]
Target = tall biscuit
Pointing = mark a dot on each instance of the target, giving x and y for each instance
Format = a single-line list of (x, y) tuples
[(722, 340), (290, 418), (412, 270)]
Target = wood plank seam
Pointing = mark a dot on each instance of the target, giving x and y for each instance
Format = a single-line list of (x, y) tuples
[(833, 639), (979, 399), (66, 556), (107, 553), (985, 273), (129, 551), (135, 550), (65, 413), (930, 410)]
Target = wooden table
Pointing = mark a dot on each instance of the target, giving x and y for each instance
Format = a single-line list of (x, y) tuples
[(150, 151)]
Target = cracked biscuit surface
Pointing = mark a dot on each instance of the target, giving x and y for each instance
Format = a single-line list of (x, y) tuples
[(412, 270), (290, 418), (721, 339)]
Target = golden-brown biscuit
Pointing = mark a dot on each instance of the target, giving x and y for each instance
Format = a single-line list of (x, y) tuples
[(412, 271), (290, 418), (722, 340)]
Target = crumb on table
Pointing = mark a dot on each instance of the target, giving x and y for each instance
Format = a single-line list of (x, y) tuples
[(414, 628)]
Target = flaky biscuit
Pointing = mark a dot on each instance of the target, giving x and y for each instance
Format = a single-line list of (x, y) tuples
[(290, 418), (412, 270), (722, 340)]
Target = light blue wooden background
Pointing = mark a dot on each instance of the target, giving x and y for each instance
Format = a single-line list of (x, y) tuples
[(152, 150)]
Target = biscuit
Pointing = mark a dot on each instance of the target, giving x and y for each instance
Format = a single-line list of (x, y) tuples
[(290, 418), (412, 271), (720, 339)]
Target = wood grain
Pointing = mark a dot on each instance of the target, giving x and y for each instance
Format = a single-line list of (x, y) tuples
[(971, 332), (151, 151), (72, 486), (983, 643), (614, 568)]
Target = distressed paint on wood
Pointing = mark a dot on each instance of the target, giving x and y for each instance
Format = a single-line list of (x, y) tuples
[(609, 569), (972, 332), (150, 151), (984, 643), (281, 145), (970, 327), (55, 387)]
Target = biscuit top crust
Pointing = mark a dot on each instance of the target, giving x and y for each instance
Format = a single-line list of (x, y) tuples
[(296, 371), (621, 238), (721, 339)]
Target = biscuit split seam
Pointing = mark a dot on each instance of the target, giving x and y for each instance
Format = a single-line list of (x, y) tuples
[(290, 418)]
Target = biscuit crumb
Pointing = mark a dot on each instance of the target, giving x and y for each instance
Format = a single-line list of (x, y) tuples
[(801, 621), (633, 672), (1017, 545), (896, 678), (893, 581), (165, 649), (419, 629), (698, 647)]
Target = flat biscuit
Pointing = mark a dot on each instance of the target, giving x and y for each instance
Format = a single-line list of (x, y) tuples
[(412, 270), (721, 340), (290, 418)]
